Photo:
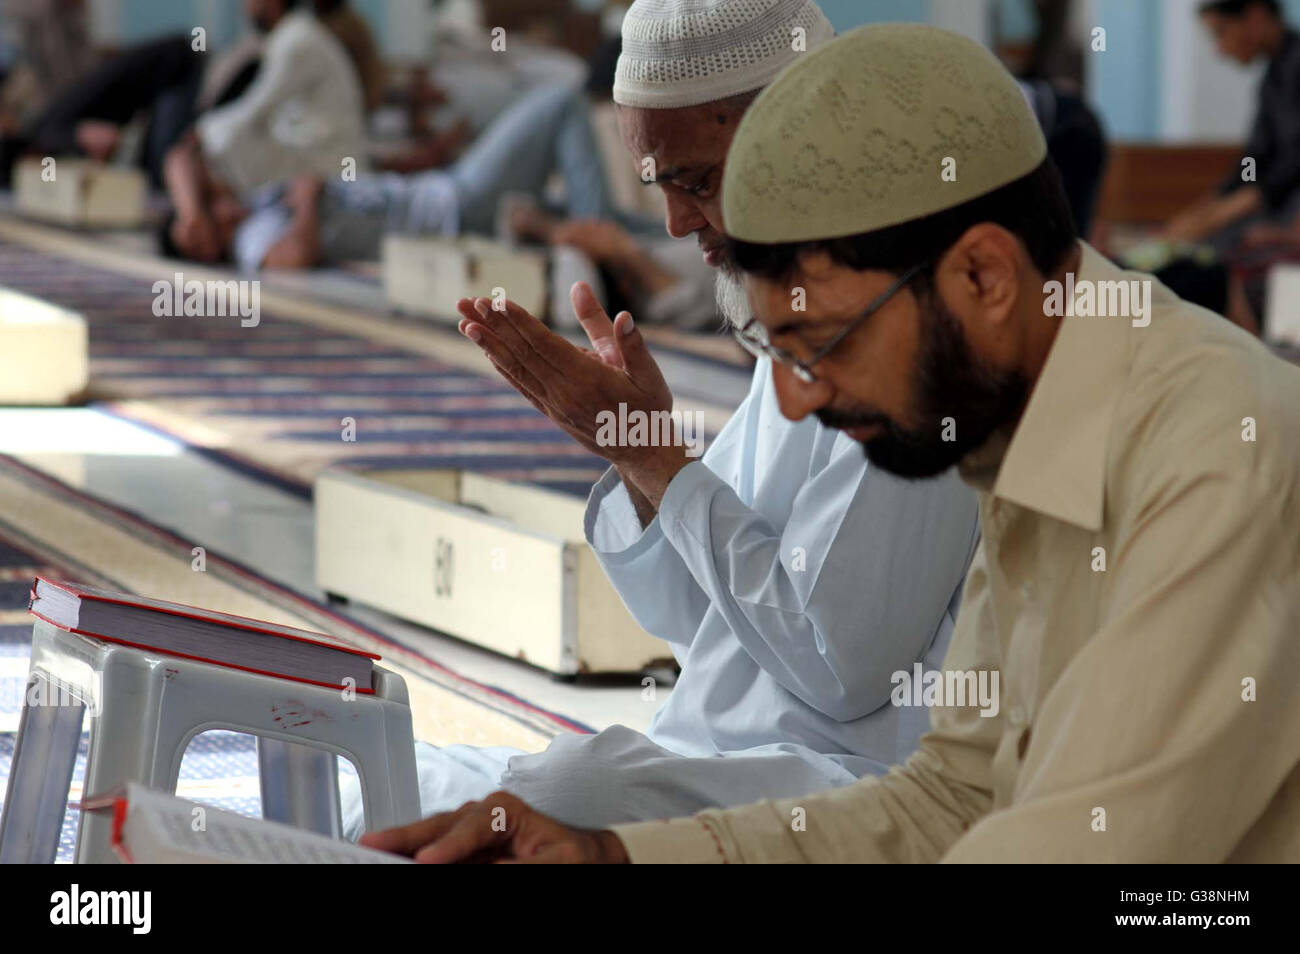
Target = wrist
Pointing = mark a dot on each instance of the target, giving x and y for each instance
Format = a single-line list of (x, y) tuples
[(645, 510), (652, 473)]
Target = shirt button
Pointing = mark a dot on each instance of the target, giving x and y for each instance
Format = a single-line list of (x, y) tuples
[(1027, 591), (1016, 716)]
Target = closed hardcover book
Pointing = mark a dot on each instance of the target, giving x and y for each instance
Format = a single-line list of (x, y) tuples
[(204, 635)]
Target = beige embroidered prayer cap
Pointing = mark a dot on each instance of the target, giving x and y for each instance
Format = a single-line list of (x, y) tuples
[(852, 138)]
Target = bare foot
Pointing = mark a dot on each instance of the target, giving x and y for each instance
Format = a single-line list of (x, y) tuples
[(98, 139)]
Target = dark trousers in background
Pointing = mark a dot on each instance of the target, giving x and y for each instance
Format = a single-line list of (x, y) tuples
[(160, 76)]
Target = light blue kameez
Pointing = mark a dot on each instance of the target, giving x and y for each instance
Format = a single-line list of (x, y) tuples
[(791, 580)]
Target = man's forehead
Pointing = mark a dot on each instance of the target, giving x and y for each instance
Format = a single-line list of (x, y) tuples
[(804, 299), (774, 301), (689, 138)]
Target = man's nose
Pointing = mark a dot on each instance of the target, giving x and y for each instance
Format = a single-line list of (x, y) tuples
[(683, 217), (797, 398)]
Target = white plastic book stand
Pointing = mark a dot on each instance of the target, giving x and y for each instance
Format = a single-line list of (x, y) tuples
[(146, 707)]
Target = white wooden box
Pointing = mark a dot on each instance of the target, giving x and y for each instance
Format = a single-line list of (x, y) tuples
[(426, 276), (501, 565), (43, 352), (81, 193)]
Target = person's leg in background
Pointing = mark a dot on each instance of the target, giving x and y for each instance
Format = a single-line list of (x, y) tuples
[(115, 91), (356, 215), (176, 107), (545, 132), (173, 113)]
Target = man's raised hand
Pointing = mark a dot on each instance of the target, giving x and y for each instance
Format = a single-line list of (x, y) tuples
[(572, 386)]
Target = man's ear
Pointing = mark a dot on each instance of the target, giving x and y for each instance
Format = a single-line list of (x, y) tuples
[(981, 274)]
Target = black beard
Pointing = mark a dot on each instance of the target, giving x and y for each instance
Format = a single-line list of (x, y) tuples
[(950, 381)]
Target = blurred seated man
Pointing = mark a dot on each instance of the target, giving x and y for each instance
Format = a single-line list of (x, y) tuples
[(165, 77), (304, 112), (52, 51), (312, 220), (175, 84), (286, 100), (1246, 31)]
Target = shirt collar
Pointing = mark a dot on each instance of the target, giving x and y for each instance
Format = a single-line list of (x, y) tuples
[(1054, 459)]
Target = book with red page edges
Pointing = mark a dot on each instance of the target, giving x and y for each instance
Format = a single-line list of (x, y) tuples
[(204, 635)]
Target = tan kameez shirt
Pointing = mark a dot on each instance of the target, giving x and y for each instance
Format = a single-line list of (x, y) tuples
[(1150, 710)]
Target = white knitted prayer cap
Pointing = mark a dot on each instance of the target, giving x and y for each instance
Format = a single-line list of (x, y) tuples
[(679, 53)]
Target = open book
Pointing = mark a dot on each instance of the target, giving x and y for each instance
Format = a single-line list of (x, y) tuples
[(152, 827), (204, 635)]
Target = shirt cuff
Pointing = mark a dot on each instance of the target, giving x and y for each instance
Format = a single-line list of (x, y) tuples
[(611, 524), (683, 841), (693, 483)]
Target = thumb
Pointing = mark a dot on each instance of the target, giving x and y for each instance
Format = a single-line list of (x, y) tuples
[(594, 321), (640, 364)]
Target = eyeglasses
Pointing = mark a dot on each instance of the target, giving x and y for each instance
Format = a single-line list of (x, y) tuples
[(753, 336)]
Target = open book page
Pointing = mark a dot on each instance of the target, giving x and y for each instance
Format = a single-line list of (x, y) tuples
[(161, 828)]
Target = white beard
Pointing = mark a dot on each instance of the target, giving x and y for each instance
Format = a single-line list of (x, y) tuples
[(733, 303)]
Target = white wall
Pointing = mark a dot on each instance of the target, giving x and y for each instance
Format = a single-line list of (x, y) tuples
[(409, 31), (972, 18), (105, 18)]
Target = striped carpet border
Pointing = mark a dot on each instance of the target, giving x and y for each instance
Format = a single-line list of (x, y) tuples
[(533, 717)]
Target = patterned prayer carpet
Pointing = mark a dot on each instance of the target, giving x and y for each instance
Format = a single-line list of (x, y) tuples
[(275, 399), (47, 526), (268, 400)]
